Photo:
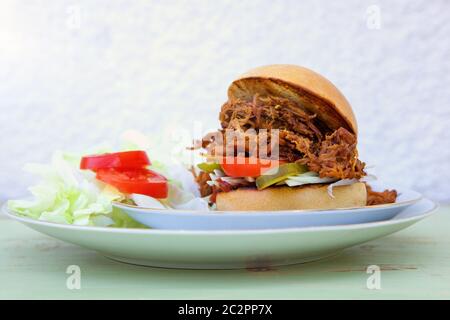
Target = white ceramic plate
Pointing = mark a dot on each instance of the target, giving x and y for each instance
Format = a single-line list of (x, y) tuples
[(170, 219), (226, 249)]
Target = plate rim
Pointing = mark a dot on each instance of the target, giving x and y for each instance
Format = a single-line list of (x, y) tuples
[(367, 225)]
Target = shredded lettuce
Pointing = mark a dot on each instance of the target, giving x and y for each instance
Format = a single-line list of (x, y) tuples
[(65, 194), (122, 220), (343, 182), (183, 190), (306, 178), (68, 195), (147, 202), (312, 177)]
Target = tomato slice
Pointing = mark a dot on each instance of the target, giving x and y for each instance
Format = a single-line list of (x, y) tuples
[(140, 181), (117, 160), (247, 167)]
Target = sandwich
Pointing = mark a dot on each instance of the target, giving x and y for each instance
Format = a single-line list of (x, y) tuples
[(287, 141)]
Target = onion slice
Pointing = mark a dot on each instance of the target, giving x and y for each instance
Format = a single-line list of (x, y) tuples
[(343, 182)]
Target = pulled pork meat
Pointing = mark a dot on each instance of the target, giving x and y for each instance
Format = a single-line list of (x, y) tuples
[(374, 197), (269, 113), (279, 125), (205, 189), (202, 179), (334, 157), (301, 137), (223, 186)]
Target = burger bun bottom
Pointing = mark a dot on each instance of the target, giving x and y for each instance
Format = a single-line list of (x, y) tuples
[(314, 196)]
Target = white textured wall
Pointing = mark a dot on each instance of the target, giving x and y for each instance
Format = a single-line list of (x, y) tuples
[(69, 81)]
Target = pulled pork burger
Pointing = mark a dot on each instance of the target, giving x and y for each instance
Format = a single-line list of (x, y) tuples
[(288, 140)]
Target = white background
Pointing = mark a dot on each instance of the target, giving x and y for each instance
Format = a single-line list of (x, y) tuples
[(76, 73)]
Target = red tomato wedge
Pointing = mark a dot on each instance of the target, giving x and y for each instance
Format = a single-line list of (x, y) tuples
[(140, 181), (247, 167), (117, 160)]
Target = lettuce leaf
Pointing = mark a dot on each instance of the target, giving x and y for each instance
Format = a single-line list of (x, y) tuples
[(122, 220), (65, 194), (306, 178), (68, 195)]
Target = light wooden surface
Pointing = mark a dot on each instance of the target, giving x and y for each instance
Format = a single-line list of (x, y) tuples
[(415, 263)]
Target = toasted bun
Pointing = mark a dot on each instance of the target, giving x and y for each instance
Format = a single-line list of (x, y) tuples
[(304, 87), (293, 198)]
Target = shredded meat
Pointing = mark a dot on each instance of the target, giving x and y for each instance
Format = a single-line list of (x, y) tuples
[(223, 186), (268, 113), (299, 137), (337, 157), (374, 197), (205, 189), (202, 178)]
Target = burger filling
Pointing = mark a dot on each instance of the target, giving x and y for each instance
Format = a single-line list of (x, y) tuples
[(286, 133)]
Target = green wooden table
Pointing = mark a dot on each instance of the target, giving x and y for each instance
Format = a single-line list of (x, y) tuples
[(414, 263)]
